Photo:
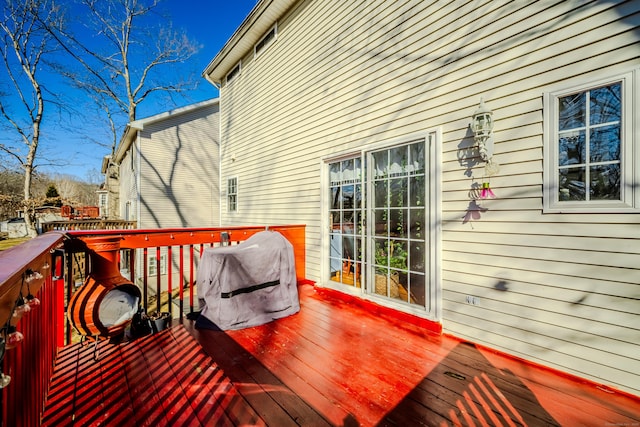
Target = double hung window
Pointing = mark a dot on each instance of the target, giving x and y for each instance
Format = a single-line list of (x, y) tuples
[(232, 194), (153, 265)]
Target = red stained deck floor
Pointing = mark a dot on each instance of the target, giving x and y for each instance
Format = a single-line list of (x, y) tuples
[(333, 363)]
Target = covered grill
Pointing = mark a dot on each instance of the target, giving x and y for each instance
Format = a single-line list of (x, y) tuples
[(248, 284)]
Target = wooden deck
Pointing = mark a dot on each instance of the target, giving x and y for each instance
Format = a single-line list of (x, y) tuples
[(334, 363)]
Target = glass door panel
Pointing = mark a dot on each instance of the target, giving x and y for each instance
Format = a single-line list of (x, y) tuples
[(397, 235), (345, 240)]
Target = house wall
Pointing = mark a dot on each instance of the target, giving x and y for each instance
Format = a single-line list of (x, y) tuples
[(112, 186), (558, 289), (128, 185), (179, 171)]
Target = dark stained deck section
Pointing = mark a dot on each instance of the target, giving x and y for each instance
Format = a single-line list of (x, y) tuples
[(332, 364)]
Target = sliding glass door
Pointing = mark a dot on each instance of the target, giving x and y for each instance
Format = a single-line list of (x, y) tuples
[(379, 212)]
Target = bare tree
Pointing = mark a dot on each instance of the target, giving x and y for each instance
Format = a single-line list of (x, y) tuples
[(123, 56), (26, 42), (74, 191)]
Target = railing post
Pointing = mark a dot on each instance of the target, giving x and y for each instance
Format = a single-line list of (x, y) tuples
[(57, 273), (145, 269), (69, 291), (158, 281), (181, 286), (170, 279), (191, 280)]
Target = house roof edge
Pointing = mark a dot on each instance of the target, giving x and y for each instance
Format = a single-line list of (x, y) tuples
[(135, 126), (262, 17)]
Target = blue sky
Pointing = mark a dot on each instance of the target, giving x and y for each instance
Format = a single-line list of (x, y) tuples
[(209, 23)]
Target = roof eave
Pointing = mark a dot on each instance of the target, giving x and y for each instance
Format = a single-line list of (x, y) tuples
[(260, 19), (135, 126)]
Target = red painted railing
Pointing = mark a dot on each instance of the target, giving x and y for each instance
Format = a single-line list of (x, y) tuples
[(30, 363)]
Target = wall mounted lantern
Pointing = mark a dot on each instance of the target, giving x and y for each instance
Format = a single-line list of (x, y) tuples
[(482, 125)]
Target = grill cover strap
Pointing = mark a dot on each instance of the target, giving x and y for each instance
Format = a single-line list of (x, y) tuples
[(249, 289)]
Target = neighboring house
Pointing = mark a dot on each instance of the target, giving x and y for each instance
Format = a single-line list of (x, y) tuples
[(167, 168), (108, 194), (354, 119), (14, 227)]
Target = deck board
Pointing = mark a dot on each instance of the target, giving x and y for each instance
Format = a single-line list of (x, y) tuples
[(333, 363)]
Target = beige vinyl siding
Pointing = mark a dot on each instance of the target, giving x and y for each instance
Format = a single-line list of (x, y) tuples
[(558, 289), (128, 186), (179, 183)]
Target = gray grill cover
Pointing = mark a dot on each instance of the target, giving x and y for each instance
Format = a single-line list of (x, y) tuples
[(248, 284)]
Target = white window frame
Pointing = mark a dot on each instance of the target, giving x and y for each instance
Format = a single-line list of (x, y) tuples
[(103, 202), (257, 49), (629, 151), (232, 74), (230, 193), (152, 266)]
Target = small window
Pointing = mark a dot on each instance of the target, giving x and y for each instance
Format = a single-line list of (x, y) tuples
[(589, 148), (103, 199), (266, 40), (153, 265), (232, 194), (234, 72)]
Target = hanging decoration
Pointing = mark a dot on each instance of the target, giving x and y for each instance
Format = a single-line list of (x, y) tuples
[(10, 337), (21, 307), (32, 278), (486, 192), (490, 169), (14, 337)]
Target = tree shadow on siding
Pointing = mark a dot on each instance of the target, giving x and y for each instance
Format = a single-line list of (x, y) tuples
[(174, 182), (163, 183)]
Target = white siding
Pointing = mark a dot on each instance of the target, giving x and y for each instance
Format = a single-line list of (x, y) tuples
[(559, 289), (179, 184), (128, 185)]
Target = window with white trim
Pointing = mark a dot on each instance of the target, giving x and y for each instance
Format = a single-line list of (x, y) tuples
[(232, 194), (152, 267), (103, 198), (234, 72), (591, 164), (266, 40)]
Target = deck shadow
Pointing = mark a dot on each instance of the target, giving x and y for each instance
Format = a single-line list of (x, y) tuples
[(474, 393), (277, 404)]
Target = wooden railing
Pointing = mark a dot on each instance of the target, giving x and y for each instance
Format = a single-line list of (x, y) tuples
[(88, 224), (45, 327), (30, 362)]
